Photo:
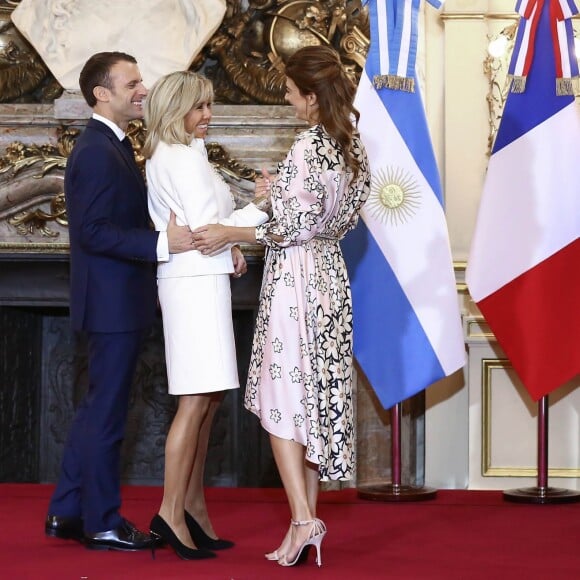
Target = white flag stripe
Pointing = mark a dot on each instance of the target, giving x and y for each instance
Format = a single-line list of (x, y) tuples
[(405, 40), (567, 10), (564, 51), (515, 206), (383, 22), (414, 246), (521, 61)]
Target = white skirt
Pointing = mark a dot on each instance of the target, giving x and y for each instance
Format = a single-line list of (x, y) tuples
[(200, 351)]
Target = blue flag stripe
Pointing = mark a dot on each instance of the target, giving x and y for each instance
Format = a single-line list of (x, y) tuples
[(415, 35), (398, 319), (399, 104)]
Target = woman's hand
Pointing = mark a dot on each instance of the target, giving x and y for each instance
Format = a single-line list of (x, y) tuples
[(211, 239), (240, 266), (263, 184)]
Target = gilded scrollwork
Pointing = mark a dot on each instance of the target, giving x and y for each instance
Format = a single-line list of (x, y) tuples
[(32, 181), (217, 155), (19, 156), (136, 133), (251, 46), (221, 159), (37, 220), (495, 67), (32, 178)]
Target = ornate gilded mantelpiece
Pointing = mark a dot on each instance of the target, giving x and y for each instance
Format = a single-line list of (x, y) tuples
[(245, 58)]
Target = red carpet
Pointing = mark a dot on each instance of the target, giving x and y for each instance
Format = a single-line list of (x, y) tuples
[(459, 535)]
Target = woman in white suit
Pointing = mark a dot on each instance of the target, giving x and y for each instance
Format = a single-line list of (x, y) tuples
[(195, 299)]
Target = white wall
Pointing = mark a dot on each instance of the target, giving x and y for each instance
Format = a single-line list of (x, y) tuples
[(480, 424)]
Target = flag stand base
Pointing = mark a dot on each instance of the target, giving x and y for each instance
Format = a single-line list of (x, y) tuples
[(400, 493), (541, 495)]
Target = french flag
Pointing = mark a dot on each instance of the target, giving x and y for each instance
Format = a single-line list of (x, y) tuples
[(524, 265)]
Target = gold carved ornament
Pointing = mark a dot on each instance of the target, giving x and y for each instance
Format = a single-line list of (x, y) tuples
[(48, 158), (495, 68), (20, 157), (251, 46)]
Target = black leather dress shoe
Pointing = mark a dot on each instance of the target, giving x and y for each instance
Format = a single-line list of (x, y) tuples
[(64, 528), (126, 538)]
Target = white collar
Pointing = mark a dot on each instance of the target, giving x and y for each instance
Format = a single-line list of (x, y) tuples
[(120, 134), (198, 145)]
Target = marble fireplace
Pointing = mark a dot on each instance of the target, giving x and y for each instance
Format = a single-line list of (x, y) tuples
[(43, 364)]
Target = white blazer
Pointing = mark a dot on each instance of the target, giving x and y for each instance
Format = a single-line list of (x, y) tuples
[(180, 178)]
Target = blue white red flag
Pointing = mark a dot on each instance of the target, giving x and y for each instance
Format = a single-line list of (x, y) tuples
[(524, 264), (407, 325)]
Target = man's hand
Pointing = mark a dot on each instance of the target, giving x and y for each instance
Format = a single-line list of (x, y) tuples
[(179, 238), (263, 184)]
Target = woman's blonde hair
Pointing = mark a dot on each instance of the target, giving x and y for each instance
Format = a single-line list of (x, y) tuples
[(167, 104)]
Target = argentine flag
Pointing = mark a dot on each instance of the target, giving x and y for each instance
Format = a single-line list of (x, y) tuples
[(407, 324), (524, 264)]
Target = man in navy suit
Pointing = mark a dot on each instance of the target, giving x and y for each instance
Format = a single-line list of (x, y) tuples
[(113, 252)]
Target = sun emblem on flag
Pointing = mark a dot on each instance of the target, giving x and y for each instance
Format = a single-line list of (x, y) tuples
[(395, 195)]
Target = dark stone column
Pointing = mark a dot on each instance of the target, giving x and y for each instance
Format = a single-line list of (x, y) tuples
[(20, 371)]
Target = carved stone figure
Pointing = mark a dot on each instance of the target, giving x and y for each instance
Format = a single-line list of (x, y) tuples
[(23, 75), (163, 35)]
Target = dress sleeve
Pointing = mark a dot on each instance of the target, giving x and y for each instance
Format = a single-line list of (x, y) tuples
[(304, 190)]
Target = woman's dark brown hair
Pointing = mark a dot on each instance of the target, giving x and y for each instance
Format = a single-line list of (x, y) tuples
[(318, 70)]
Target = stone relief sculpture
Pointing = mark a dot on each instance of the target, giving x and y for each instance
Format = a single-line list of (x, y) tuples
[(244, 57), (23, 75), (164, 35)]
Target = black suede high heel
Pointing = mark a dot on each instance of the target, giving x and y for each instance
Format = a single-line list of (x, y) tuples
[(160, 529), (201, 539)]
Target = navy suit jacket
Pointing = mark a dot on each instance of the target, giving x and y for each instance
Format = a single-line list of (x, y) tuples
[(112, 245)]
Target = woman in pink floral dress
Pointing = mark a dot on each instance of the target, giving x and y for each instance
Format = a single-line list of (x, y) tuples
[(300, 375)]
